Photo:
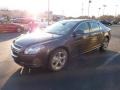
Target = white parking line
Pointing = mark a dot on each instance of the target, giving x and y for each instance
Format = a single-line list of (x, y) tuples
[(110, 59)]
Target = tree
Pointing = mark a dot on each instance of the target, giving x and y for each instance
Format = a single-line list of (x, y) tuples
[(117, 19), (70, 17), (107, 17), (93, 17), (83, 17)]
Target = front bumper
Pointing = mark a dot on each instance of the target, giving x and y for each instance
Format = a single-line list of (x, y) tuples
[(37, 60), (28, 61)]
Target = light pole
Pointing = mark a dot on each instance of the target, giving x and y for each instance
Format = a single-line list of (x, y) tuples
[(63, 12), (82, 8), (89, 2), (48, 11), (116, 10), (99, 11), (104, 6)]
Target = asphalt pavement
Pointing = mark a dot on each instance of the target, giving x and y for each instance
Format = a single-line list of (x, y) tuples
[(92, 71)]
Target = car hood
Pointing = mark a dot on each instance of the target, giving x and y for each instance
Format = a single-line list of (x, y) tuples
[(32, 38)]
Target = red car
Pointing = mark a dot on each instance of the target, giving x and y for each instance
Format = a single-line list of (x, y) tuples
[(10, 27), (28, 23)]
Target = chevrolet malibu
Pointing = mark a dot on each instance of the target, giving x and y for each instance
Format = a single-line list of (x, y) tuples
[(53, 46)]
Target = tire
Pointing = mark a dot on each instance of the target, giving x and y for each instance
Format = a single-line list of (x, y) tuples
[(104, 45), (57, 60)]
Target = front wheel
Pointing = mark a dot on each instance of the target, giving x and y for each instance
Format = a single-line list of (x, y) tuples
[(19, 30), (104, 45), (58, 59)]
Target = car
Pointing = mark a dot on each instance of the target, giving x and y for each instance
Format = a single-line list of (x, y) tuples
[(10, 27), (23, 22), (53, 46), (29, 24), (115, 22), (106, 22)]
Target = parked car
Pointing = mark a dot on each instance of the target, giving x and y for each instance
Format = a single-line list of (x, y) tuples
[(24, 22), (106, 22), (10, 27), (29, 24), (53, 46), (115, 22)]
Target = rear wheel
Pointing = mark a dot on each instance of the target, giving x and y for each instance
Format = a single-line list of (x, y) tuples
[(104, 45), (58, 59)]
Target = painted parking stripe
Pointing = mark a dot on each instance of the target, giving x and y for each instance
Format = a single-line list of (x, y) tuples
[(110, 59)]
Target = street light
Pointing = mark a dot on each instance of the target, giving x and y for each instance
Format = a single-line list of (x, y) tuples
[(99, 11), (89, 6), (116, 10), (104, 6), (82, 8)]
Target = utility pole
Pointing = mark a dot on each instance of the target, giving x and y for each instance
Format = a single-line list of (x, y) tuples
[(82, 8), (99, 12), (63, 12), (89, 2), (48, 12), (116, 6), (104, 6)]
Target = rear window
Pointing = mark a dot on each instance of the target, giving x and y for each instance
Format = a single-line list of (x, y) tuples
[(102, 26)]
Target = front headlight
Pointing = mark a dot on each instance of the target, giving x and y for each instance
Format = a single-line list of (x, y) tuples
[(34, 49)]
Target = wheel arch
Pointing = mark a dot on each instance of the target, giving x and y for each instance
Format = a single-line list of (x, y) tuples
[(107, 37), (61, 47)]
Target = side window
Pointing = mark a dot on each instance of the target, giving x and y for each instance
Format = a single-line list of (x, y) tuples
[(82, 28), (94, 26)]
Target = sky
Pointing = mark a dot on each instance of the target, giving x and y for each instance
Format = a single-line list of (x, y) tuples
[(65, 7)]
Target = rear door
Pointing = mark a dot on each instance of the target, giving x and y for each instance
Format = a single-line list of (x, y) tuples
[(101, 35), (81, 39), (95, 34)]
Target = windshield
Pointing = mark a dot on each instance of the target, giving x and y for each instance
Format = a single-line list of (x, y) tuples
[(61, 27)]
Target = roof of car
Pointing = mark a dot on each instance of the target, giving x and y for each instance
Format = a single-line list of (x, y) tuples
[(80, 20)]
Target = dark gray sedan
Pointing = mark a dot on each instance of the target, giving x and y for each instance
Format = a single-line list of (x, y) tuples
[(53, 46)]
